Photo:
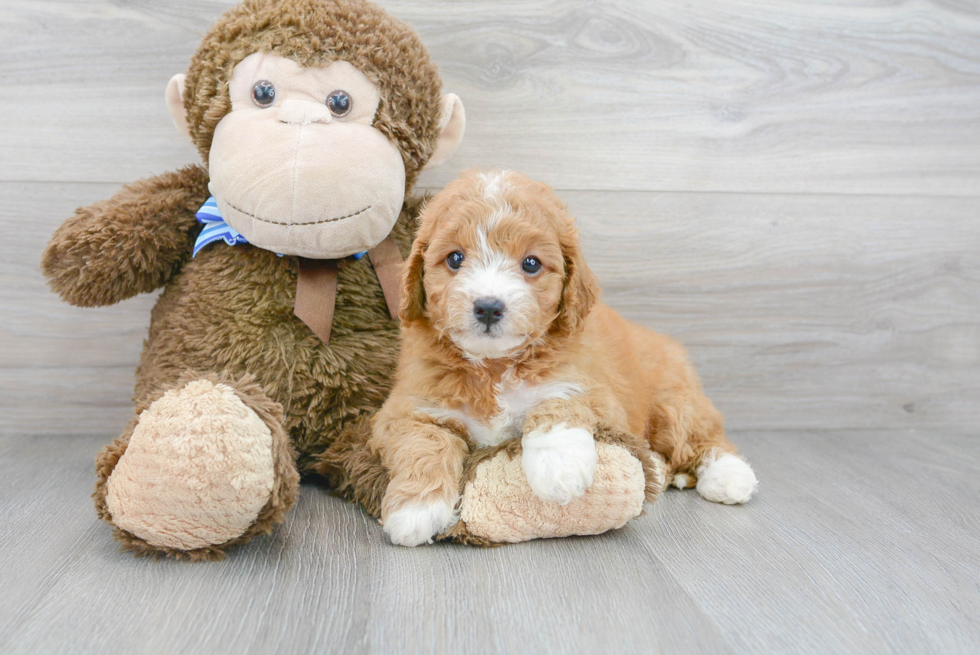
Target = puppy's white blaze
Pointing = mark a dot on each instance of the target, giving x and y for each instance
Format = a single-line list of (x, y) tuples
[(417, 523), (495, 275), (514, 404), (498, 214), (725, 478), (489, 258), (493, 184), (560, 463)]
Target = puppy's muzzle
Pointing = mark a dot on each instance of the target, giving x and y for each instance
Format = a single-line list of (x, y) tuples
[(488, 311)]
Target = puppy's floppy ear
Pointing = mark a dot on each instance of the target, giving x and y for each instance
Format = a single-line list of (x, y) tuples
[(411, 306), (581, 288)]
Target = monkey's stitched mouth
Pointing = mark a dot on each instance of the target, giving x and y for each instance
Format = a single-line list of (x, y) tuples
[(325, 220)]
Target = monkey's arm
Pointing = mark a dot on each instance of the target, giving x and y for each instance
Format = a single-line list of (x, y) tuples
[(130, 243)]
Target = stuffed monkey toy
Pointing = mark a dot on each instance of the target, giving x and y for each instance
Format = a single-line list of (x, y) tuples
[(275, 336)]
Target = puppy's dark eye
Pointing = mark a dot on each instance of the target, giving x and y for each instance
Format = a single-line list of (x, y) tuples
[(531, 265), (455, 260), (339, 103), (263, 93)]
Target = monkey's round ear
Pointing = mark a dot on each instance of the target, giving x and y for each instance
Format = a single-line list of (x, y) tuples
[(175, 103), (452, 124)]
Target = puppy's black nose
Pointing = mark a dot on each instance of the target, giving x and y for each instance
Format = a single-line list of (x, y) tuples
[(488, 310)]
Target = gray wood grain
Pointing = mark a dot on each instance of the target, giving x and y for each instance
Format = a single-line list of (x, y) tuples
[(771, 96), (861, 542), (847, 524)]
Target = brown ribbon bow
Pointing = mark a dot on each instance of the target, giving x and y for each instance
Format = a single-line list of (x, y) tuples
[(316, 288)]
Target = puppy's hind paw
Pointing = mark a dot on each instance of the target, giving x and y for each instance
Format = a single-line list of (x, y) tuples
[(560, 463), (726, 478), (417, 523)]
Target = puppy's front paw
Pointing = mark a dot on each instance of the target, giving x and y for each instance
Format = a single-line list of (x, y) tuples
[(726, 478), (560, 463), (417, 523)]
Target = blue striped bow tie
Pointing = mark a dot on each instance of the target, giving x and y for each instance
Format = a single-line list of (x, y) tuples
[(215, 229)]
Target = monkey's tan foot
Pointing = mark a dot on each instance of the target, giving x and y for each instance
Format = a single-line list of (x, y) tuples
[(498, 505), (204, 466)]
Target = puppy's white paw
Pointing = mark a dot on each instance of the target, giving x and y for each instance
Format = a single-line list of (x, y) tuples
[(726, 478), (681, 480), (417, 523), (560, 463)]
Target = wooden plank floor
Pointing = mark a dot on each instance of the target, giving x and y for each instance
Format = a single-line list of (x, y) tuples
[(790, 187), (859, 542)]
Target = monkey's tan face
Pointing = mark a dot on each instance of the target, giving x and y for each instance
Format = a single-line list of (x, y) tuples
[(296, 166)]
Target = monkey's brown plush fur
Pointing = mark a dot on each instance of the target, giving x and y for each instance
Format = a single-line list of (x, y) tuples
[(228, 313)]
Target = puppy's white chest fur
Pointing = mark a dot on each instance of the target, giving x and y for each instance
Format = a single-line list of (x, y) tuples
[(514, 401)]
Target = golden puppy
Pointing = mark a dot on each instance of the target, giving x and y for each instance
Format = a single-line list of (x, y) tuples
[(503, 337)]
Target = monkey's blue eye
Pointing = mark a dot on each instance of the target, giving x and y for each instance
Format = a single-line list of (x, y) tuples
[(455, 260), (339, 103), (531, 265), (264, 93)]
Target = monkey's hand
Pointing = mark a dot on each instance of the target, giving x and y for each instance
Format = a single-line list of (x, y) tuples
[(131, 243)]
